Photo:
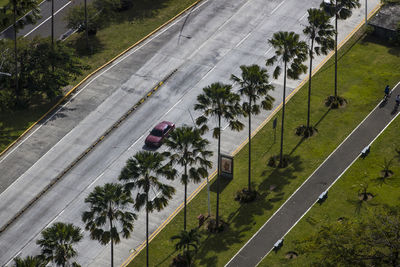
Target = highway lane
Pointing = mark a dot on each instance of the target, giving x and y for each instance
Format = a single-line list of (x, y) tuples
[(218, 45), (43, 26)]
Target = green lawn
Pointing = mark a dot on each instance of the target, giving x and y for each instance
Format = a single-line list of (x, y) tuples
[(3, 2), (365, 67), (108, 43), (344, 192)]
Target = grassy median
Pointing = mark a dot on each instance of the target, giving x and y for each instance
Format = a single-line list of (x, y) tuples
[(120, 34), (365, 67), (343, 201)]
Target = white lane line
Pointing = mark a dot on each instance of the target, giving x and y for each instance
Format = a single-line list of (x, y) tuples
[(95, 180), (268, 51), (99, 75), (247, 36), (47, 19), (179, 101), (303, 16), (20, 18), (208, 72), (136, 141), (55, 218), (225, 127), (276, 8), (309, 178)]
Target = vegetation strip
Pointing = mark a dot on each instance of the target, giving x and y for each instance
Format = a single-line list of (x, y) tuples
[(92, 74), (320, 65), (237, 150), (81, 156)]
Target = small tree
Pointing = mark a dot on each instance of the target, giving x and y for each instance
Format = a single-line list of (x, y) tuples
[(341, 10), (320, 33), (292, 52), (57, 243), (188, 242), (109, 203), (189, 150), (218, 101), (254, 85), (143, 172)]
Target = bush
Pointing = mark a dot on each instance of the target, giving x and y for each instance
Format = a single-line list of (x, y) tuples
[(302, 130), (335, 102)]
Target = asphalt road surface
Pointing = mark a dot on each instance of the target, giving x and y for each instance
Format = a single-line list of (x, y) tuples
[(206, 45)]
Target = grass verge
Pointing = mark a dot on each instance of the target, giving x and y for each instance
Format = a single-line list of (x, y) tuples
[(364, 68), (130, 27), (343, 199)]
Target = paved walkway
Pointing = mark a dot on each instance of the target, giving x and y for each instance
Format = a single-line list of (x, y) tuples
[(322, 179)]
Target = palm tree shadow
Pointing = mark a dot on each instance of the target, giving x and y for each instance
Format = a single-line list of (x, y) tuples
[(282, 176), (323, 117), (223, 183), (390, 181), (165, 259)]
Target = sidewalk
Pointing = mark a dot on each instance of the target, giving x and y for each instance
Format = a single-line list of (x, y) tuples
[(287, 216)]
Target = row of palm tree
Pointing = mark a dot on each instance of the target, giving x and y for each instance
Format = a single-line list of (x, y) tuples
[(110, 206)]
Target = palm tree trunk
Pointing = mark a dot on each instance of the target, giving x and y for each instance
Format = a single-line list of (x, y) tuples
[(309, 84), (218, 170), (283, 116), (147, 230), (15, 51), (336, 36), (52, 32), (184, 208), (112, 244), (86, 27), (249, 145), (52, 24)]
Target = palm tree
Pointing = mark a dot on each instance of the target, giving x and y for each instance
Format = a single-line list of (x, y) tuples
[(218, 101), (293, 52), (254, 85), (187, 242), (142, 172), (57, 242), (30, 261), (189, 149), (320, 32), (109, 202), (20, 7), (340, 9)]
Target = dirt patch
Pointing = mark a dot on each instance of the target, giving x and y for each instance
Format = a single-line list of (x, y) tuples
[(291, 255)]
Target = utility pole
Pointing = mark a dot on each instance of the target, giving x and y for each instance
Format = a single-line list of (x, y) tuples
[(366, 12)]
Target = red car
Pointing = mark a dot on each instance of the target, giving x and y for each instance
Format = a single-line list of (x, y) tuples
[(157, 135)]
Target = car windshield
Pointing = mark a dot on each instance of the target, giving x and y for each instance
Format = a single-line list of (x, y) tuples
[(156, 132)]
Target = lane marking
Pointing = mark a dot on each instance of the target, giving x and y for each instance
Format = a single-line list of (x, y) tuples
[(179, 101), (303, 16), (241, 41), (276, 8), (47, 19), (136, 141), (268, 51)]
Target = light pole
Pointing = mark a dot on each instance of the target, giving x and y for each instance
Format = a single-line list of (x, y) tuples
[(366, 12), (5, 73)]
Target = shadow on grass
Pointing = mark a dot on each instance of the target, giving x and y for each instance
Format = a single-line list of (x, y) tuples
[(95, 45), (376, 40), (223, 183), (141, 10), (280, 177)]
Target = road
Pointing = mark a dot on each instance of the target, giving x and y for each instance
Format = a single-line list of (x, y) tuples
[(43, 26), (206, 45)]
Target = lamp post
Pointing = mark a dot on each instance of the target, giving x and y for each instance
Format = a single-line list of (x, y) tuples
[(366, 12), (5, 73)]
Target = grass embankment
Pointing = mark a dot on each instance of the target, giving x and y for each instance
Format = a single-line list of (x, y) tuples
[(128, 28), (364, 68), (343, 198)]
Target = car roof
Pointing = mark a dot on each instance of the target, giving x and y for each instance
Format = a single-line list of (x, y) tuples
[(162, 125)]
